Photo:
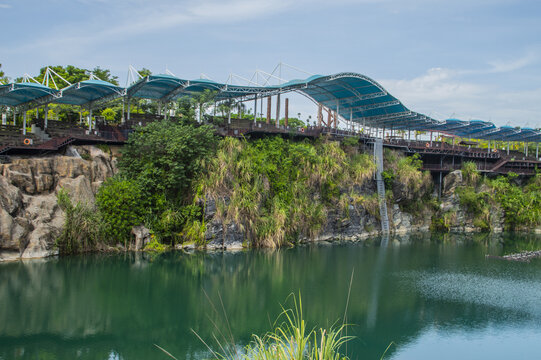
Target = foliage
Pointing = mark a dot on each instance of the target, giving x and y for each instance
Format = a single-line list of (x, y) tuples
[(470, 174), (277, 190), (82, 226), (164, 157), (155, 245), (122, 205), (522, 206), (109, 114)]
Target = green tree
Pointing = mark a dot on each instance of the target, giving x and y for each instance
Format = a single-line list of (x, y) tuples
[(164, 157)]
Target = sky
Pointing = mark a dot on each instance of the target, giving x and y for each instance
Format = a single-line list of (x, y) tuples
[(467, 59)]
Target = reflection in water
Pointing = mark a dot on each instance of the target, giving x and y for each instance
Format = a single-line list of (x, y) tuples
[(414, 292)]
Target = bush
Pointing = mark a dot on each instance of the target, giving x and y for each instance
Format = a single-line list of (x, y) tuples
[(122, 206)]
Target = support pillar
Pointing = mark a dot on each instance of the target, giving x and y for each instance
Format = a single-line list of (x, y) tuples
[(90, 119), (335, 120), (488, 147), (14, 115), (278, 110), (229, 115), (508, 148), (431, 139), (159, 108), (329, 118), (128, 109), (24, 122), (526, 149), (286, 113), (269, 104), (319, 115), (4, 119), (255, 109)]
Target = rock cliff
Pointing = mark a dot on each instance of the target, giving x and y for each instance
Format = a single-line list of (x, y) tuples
[(30, 218)]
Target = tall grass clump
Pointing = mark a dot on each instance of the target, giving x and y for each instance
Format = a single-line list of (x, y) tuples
[(291, 339), (82, 226)]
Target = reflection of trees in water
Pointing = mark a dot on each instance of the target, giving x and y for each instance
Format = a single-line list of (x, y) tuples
[(128, 302)]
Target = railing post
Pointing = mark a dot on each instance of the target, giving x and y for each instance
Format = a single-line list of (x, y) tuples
[(286, 121)]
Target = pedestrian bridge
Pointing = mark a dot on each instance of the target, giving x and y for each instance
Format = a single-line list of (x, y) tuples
[(352, 98)]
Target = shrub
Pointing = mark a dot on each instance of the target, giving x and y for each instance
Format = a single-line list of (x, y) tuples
[(122, 205)]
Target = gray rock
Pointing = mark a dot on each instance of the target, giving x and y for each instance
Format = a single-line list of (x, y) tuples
[(10, 196), (142, 237)]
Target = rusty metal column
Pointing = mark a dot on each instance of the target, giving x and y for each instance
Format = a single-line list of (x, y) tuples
[(430, 138), (329, 118), (351, 120), (319, 115), (287, 112), (269, 100), (278, 110), (335, 120)]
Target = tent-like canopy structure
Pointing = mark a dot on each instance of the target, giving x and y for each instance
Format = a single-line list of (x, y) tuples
[(353, 96)]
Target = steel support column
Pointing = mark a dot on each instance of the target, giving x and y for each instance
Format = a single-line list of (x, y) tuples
[(46, 117), (24, 122)]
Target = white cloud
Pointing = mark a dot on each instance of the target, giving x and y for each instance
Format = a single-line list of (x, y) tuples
[(442, 93), (499, 66)]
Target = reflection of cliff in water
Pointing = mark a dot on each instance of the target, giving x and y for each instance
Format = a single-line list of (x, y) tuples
[(94, 305)]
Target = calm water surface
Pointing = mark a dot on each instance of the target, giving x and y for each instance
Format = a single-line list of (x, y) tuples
[(434, 298)]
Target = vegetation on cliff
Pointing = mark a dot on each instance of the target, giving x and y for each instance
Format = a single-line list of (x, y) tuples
[(489, 201), (277, 190)]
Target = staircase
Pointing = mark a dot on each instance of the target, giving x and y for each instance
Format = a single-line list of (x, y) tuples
[(378, 158)]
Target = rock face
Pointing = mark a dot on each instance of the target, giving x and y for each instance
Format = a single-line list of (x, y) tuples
[(30, 218)]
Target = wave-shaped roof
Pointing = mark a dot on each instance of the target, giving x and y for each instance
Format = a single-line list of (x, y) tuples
[(353, 96)]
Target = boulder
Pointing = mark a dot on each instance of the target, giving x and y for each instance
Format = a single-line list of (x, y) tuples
[(13, 231), (142, 237), (40, 243)]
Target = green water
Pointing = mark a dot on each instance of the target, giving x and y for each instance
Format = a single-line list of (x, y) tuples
[(434, 298)]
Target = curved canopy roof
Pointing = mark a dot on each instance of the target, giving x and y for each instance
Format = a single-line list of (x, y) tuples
[(89, 91), (353, 96), (22, 93)]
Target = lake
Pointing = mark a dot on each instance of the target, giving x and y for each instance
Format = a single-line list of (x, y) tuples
[(431, 296)]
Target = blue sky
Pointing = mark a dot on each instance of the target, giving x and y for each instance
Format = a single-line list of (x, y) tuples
[(471, 59)]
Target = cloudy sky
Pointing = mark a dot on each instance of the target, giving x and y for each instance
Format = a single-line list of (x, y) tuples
[(470, 59)]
